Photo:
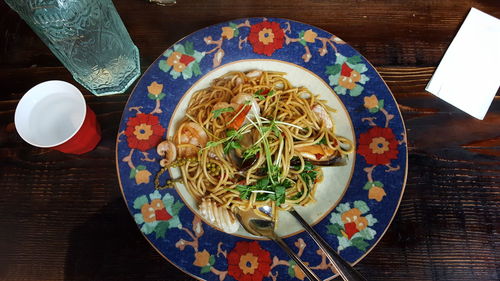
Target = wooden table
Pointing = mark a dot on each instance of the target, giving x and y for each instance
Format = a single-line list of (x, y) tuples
[(62, 217)]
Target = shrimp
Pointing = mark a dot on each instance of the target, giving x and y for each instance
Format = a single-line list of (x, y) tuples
[(191, 138), (322, 115), (168, 151), (244, 99), (226, 115)]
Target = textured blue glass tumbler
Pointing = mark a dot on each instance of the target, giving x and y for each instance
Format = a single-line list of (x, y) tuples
[(88, 37)]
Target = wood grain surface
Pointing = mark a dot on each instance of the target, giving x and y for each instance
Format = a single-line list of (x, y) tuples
[(62, 216)]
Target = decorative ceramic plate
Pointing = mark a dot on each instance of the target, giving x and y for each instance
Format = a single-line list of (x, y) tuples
[(355, 203)]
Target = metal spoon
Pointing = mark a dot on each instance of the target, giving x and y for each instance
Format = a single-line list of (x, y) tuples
[(259, 226), (346, 271)]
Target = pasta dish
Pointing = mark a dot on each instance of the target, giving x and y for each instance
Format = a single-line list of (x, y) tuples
[(252, 139)]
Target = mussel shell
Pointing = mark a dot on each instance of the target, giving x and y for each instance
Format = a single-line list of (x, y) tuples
[(236, 155), (335, 161), (240, 162)]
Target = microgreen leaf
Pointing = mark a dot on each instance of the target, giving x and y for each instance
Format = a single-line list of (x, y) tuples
[(260, 97), (262, 183), (232, 144), (212, 144), (218, 112), (274, 171), (309, 174), (251, 152), (261, 94), (297, 196), (276, 130), (258, 92), (265, 190), (245, 191), (279, 195), (231, 133), (322, 141)]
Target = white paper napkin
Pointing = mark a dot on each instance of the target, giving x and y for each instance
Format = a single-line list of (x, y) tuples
[(468, 76)]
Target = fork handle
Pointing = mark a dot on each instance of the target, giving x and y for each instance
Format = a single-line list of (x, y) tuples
[(307, 271), (346, 271)]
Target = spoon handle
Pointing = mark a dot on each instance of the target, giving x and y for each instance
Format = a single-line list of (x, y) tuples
[(346, 271), (307, 271)]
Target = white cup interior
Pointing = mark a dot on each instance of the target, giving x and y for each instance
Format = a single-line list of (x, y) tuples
[(50, 113)]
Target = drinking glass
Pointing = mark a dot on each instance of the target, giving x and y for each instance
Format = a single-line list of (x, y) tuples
[(89, 39)]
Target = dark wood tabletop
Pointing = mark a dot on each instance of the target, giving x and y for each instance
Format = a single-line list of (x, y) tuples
[(62, 217)]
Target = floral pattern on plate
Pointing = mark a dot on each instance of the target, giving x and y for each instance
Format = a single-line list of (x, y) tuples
[(353, 227)]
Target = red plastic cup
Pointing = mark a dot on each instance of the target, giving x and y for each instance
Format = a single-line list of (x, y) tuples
[(54, 115)]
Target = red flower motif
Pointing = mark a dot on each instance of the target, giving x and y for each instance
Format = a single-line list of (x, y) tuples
[(248, 262), (350, 229), (162, 215), (144, 131), (346, 70), (155, 211), (379, 146), (185, 59), (266, 37)]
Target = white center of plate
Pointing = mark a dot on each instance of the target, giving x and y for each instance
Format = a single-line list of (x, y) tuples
[(336, 179)]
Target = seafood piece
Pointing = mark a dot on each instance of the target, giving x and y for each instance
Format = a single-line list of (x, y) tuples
[(212, 155), (321, 155), (168, 151), (236, 156), (243, 99), (226, 115), (238, 81), (220, 105), (305, 95), (323, 115), (254, 73), (248, 108), (218, 216), (191, 138), (223, 104)]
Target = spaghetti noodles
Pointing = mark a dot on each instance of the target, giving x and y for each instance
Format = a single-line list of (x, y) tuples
[(252, 139)]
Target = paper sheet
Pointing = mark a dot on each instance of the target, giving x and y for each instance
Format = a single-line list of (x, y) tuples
[(468, 76)]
